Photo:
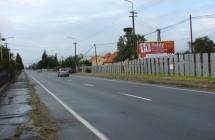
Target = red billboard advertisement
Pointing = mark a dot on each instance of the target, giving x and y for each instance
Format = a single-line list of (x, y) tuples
[(146, 48)]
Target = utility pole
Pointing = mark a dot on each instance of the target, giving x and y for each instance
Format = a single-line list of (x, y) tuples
[(6, 44), (158, 35), (191, 35), (75, 43), (96, 55), (1, 53), (61, 61), (133, 15), (1, 47), (8, 50)]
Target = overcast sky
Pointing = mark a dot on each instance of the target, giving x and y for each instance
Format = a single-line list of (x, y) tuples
[(45, 24)]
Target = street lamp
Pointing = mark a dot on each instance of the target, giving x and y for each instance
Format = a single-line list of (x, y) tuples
[(132, 4), (5, 39), (75, 43), (133, 15)]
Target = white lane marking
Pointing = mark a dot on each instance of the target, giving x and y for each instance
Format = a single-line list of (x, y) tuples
[(88, 85), (75, 114), (70, 80), (133, 96), (182, 89), (145, 84)]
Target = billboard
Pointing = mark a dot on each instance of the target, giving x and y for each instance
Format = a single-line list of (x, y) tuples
[(163, 47)]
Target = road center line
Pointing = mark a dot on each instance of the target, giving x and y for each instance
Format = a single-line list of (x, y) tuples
[(88, 85), (75, 114), (133, 96)]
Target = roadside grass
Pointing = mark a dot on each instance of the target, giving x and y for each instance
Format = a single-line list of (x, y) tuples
[(180, 81), (45, 124)]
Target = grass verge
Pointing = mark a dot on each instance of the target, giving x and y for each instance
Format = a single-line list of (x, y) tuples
[(45, 124), (180, 81)]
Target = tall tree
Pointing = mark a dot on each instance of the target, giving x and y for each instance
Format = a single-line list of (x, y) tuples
[(19, 62), (203, 45), (44, 61), (125, 48)]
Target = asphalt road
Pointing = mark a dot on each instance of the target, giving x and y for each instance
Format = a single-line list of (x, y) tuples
[(121, 110)]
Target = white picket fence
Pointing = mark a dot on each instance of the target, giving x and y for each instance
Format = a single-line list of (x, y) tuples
[(201, 65)]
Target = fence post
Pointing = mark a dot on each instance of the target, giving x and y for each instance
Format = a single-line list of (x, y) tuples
[(138, 66), (125, 66), (166, 66), (145, 66), (161, 65), (187, 64), (205, 65), (141, 66), (198, 65), (133, 66), (212, 64), (153, 66), (176, 65), (181, 65), (157, 66), (171, 66), (110, 66), (192, 65), (149, 66)]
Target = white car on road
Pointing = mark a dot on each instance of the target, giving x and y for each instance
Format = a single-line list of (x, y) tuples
[(63, 72)]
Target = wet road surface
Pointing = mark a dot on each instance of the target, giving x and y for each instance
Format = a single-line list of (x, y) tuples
[(95, 108)]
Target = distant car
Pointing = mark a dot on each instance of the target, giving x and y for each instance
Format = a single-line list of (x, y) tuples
[(63, 72), (39, 70), (70, 70), (44, 70)]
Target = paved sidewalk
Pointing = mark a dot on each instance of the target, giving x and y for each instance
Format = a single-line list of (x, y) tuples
[(14, 109)]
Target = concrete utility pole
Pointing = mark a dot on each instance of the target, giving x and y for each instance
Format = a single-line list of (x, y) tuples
[(1, 53), (191, 35), (75, 43), (96, 55), (8, 51), (133, 15), (158, 35), (1, 48)]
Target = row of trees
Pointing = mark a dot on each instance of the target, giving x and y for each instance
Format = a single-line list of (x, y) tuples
[(52, 62), (203, 45), (7, 60)]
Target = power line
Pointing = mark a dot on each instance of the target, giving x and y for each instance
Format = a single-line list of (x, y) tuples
[(173, 25), (105, 44), (88, 51), (181, 22), (149, 33), (205, 16)]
